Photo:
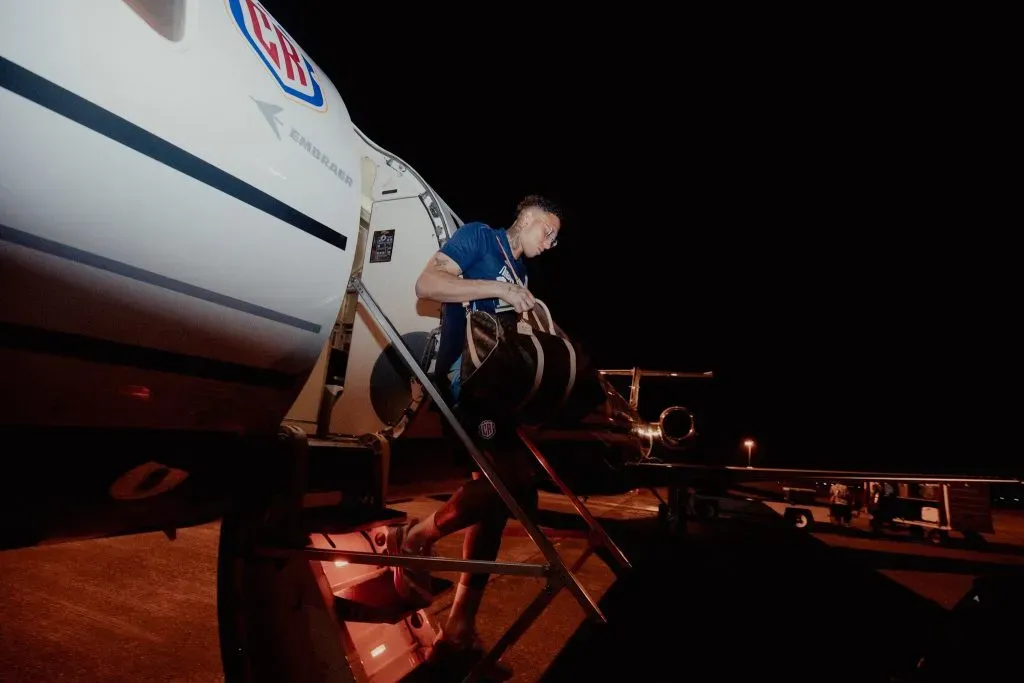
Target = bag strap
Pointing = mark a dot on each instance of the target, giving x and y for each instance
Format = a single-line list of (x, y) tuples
[(508, 262), (471, 305), (519, 282)]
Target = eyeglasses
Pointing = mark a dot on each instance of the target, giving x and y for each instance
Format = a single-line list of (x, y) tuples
[(550, 236)]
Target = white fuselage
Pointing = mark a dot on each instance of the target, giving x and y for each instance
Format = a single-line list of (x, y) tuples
[(179, 209)]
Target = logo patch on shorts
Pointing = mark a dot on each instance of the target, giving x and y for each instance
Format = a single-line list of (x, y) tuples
[(487, 429)]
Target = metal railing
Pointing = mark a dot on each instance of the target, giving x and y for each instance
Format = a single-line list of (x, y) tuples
[(558, 575)]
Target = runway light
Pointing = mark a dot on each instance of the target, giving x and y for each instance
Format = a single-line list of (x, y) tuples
[(378, 651)]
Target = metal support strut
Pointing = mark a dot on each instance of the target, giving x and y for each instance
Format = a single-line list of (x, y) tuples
[(597, 533), (557, 573)]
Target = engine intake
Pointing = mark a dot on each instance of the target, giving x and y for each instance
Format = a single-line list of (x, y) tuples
[(676, 425)]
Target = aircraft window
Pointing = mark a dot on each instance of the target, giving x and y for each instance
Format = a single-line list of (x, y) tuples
[(166, 17)]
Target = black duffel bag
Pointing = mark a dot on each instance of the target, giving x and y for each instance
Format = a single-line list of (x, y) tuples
[(523, 366)]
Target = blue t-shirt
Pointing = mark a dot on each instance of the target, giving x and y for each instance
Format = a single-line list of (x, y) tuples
[(475, 248)]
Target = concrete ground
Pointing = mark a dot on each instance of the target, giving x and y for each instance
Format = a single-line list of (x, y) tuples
[(739, 596)]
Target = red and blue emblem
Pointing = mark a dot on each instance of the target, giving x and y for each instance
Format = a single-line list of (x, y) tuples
[(279, 53)]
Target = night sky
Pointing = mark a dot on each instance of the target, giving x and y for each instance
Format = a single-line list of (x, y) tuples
[(743, 196)]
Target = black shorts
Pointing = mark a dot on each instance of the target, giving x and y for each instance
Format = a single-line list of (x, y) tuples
[(513, 460), (495, 434)]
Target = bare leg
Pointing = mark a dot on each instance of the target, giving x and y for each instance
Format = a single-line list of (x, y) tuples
[(477, 508), (473, 502), (461, 624), (482, 542)]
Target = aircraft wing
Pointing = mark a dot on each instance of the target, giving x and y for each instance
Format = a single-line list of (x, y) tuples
[(657, 473)]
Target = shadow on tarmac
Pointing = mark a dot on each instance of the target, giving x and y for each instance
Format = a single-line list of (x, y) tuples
[(740, 600)]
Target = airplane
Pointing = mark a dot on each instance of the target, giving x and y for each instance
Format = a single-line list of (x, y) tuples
[(208, 313)]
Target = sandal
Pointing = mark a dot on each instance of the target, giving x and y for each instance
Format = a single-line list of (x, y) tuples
[(458, 657), (413, 585)]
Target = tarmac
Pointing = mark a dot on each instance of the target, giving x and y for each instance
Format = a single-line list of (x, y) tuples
[(734, 597)]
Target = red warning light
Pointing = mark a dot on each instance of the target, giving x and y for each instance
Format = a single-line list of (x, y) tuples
[(136, 391)]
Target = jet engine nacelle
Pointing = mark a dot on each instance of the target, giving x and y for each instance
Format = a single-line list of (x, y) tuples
[(676, 426), (591, 455)]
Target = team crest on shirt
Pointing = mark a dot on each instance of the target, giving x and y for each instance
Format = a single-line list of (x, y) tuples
[(502, 306), (487, 429), (504, 275)]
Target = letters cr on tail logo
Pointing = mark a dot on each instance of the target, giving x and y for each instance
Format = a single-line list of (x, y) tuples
[(278, 51)]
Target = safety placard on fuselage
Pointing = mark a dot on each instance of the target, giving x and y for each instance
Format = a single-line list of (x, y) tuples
[(382, 246)]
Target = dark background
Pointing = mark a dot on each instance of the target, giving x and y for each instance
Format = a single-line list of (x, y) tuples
[(800, 204)]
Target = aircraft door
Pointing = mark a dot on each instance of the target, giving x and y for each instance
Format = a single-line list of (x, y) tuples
[(378, 389)]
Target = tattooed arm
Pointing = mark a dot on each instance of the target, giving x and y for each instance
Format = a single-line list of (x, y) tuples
[(440, 281)]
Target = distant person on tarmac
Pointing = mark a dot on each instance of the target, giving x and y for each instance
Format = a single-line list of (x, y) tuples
[(839, 500)]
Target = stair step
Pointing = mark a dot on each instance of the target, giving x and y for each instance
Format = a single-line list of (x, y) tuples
[(377, 601), (336, 519)]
